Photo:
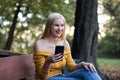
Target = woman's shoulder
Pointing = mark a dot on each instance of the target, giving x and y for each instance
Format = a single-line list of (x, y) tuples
[(67, 45), (40, 41), (38, 44)]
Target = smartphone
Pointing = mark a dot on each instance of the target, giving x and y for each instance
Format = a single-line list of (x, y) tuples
[(59, 49)]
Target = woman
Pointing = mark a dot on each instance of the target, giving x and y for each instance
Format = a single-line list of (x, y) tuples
[(49, 65)]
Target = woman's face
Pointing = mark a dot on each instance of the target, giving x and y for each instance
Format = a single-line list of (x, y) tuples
[(57, 27)]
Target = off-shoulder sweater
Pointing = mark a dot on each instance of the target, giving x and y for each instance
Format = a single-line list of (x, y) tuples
[(55, 68)]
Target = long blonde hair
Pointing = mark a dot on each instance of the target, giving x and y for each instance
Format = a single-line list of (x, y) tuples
[(51, 18)]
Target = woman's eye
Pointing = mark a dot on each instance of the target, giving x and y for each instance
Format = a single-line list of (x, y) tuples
[(56, 25), (59, 25), (62, 25)]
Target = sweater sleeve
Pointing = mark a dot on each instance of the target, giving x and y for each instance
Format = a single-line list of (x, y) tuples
[(39, 61), (69, 61)]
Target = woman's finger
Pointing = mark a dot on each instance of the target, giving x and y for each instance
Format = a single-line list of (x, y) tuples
[(92, 68), (86, 67), (57, 60), (57, 57)]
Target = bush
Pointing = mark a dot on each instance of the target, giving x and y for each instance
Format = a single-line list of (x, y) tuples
[(109, 46)]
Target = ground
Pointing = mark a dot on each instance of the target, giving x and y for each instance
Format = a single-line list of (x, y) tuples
[(113, 72)]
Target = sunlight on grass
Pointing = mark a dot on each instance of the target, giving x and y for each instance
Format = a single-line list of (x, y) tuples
[(106, 64), (110, 62)]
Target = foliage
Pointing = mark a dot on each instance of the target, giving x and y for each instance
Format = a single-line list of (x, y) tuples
[(110, 44), (31, 20)]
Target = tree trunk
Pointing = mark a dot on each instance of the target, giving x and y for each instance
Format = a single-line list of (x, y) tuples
[(86, 33), (12, 28)]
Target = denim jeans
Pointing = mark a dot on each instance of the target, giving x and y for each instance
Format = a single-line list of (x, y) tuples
[(80, 74)]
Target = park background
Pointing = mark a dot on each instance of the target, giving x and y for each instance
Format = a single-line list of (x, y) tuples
[(29, 24)]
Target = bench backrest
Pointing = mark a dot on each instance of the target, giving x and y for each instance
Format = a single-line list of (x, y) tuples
[(16, 67)]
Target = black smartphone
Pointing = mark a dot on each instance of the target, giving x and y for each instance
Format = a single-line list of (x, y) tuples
[(59, 49)]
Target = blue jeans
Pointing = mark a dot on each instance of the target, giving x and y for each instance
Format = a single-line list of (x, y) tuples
[(80, 74)]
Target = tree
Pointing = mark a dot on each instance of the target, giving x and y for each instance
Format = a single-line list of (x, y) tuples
[(86, 33), (12, 28)]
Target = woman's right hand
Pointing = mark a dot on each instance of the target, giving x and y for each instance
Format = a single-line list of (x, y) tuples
[(54, 58)]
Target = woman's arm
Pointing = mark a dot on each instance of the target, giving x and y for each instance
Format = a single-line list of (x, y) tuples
[(41, 63), (46, 62), (86, 65)]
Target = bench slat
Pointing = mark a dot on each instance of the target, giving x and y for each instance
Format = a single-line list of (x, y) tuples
[(16, 67)]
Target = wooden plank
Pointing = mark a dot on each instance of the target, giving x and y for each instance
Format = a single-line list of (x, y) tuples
[(16, 67)]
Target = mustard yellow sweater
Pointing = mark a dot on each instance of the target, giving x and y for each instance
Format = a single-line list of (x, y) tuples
[(55, 68)]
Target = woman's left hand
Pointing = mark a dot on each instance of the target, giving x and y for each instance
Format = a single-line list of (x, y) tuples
[(88, 66)]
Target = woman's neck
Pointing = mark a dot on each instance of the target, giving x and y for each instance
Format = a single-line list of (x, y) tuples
[(54, 40)]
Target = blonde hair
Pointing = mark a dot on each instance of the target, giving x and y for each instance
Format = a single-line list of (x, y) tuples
[(51, 18)]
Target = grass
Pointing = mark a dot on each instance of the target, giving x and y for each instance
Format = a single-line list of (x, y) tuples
[(108, 61)]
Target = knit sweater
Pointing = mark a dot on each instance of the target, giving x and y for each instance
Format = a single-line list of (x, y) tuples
[(55, 68)]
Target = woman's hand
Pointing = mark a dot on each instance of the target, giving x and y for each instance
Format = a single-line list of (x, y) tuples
[(54, 58), (87, 66)]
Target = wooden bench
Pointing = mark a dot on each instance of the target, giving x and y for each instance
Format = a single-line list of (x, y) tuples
[(15, 66)]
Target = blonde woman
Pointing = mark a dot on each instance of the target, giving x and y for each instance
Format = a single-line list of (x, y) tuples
[(48, 65)]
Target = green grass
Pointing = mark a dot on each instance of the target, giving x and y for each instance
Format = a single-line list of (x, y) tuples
[(108, 62), (111, 67)]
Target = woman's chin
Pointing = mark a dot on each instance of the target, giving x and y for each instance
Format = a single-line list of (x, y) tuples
[(58, 35)]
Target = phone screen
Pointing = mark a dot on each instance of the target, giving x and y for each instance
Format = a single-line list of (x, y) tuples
[(59, 49)]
